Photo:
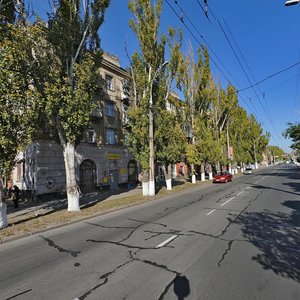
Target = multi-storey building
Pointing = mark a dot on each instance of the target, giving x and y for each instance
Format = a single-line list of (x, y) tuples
[(101, 157)]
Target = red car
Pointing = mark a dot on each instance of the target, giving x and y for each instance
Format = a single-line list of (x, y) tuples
[(222, 177)]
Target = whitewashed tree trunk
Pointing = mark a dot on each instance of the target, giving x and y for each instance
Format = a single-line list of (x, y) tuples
[(71, 184), (169, 184), (210, 175), (151, 188), (202, 176), (145, 185), (168, 176), (193, 178)]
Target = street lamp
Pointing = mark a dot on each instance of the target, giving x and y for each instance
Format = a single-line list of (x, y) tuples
[(291, 2), (151, 187)]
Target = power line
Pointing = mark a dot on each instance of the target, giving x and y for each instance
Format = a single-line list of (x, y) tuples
[(251, 85), (196, 39), (210, 48), (270, 76), (244, 71), (205, 41)]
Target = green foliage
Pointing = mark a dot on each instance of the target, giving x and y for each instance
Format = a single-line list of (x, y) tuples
[(18, 100), (137, 138), (47, 75), (7, 15), (293, 132), (170, 139), (192, 154), (274, 151)]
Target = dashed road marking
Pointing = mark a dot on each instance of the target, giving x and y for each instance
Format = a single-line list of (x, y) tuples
[(227, 201), (241, 192), (211, 212), (166, 241)]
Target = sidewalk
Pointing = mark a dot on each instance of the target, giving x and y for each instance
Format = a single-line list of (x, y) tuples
[(29, 210)]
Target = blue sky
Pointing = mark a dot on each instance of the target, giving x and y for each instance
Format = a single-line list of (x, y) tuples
[(264, 33)]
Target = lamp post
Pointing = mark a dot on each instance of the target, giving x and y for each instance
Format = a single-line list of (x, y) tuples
[(291, 2), (151, 187)]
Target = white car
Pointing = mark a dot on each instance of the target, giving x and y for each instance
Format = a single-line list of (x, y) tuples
[(248, 171)]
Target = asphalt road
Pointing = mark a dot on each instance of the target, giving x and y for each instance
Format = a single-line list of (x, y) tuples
[(239, 240)]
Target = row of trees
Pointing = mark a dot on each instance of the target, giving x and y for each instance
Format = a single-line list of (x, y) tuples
[(48, 83), (210, 116)]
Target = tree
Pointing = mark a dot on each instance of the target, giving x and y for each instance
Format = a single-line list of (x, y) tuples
[(17, 99), (190, 79), (145, 68), (170, 142), (59, 65), (70, 92), (293, 132), (7, 14), (273, 152)]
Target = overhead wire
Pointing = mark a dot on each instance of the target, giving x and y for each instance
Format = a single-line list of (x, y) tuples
[(242, 67), (256, 114), (245, 73), (244, 59), (196, 39)]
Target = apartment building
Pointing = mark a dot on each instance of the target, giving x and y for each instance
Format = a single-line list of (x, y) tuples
[(101, 158)]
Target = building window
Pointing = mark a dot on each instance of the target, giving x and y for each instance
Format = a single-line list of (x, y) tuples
[(109, 110), (91, 136), (109, 82), (110, 137)]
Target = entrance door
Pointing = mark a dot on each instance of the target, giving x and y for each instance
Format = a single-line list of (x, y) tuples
[(87, 172), (114, 180), (132, 172)]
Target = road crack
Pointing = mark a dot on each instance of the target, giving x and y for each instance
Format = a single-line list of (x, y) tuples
[(59, 248)]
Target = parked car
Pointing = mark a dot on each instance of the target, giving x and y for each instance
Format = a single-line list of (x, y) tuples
[(248, 171), (222, 177)]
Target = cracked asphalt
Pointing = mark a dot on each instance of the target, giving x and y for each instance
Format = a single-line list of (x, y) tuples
[(238, 240)]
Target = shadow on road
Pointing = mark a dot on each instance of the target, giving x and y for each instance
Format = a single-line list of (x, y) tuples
[(276, 236), (181, 287)]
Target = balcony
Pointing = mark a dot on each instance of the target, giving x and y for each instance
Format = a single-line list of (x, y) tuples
[(97, 113)]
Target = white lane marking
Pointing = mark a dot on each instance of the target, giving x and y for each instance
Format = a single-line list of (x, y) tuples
[(227, 201), (211, 212), (166, 241), (241, 192)]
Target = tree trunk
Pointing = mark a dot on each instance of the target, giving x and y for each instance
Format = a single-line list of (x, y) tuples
[(3, 207), (202, 172), (193, 173), (71, 184), (168, 178), (145, 183), (210, 174)]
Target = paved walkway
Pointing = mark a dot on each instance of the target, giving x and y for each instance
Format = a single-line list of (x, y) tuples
[(31, 209)]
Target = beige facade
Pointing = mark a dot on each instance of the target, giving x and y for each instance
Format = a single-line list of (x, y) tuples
[(101, 158)]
